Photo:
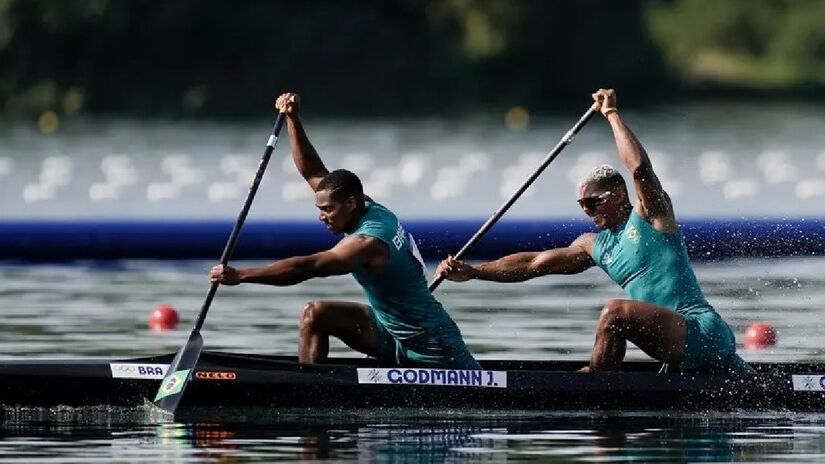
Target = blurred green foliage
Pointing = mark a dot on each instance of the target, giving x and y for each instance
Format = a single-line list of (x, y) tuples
[(759, 44), (376, 57)]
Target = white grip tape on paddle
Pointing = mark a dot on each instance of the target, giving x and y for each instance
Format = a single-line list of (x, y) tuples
[(273, 139)]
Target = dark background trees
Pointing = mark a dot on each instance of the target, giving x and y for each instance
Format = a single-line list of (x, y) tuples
[(378, 57)]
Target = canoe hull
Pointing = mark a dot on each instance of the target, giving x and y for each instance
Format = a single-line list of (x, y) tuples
[(232, 380)]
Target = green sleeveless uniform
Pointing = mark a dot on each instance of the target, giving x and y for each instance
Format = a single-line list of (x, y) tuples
[(413, 327), (653, 267)]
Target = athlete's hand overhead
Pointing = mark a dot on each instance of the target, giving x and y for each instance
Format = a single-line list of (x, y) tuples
[(288, 103), (605, 99)]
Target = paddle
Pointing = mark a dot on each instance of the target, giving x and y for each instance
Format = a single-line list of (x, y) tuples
[(566, 140), (171, 389)]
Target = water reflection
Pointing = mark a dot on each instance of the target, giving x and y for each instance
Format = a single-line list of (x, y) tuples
[(409, 436)]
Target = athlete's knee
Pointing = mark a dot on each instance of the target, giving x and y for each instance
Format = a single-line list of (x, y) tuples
[(614, 315), (311, 319)]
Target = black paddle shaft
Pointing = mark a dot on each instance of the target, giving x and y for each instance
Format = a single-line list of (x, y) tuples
[(566, 140), (233, 237), (179, 372)]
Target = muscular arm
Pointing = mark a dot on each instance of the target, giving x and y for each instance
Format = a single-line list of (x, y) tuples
[(654, 203), (343, 258), (528, 265), (306, 159)]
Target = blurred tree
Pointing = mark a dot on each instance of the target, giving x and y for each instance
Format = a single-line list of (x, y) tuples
[(542, 54), (374, 57), (775, 44)]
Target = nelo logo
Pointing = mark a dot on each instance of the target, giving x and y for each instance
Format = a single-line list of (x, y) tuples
[(215, 375)]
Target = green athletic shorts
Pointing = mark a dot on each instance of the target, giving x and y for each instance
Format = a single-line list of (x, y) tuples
[(440, 347), (710, 345)]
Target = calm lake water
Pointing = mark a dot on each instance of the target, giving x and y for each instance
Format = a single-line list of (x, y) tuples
[(766, 160), (101, 309)]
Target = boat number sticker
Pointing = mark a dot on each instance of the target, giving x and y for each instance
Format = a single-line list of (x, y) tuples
[(173, 384), (420, 376), (138, 371), (810, 382)]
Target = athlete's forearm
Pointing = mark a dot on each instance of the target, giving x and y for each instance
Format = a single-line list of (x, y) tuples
[(306, 159), (511, 268), (631, 151), (283, 273)]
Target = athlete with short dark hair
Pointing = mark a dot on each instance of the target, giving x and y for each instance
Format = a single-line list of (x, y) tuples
[(402, 324)]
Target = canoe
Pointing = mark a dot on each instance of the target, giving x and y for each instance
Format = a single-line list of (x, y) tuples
[(251, 380)]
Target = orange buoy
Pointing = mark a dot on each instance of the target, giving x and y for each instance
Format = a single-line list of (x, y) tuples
[(163, 317), (760, 335)]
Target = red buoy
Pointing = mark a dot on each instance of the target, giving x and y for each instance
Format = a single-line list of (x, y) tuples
[(760, 335), (163, 317)]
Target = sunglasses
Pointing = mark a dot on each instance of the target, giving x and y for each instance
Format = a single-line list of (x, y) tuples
[(594, 201)]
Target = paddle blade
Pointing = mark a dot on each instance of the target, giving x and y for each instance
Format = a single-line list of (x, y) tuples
[(180, 371)]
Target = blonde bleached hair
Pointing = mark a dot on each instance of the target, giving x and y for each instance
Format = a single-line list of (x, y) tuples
[(605, 175)]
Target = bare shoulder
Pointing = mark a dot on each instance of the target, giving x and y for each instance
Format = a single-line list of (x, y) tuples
[(585, 241), (357, 244), (357, 241)]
